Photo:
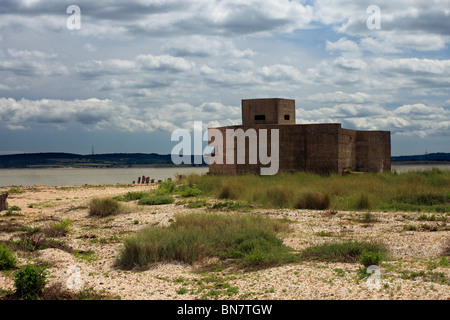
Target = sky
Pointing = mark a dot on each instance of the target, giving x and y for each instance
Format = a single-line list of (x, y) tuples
[(123, 75)]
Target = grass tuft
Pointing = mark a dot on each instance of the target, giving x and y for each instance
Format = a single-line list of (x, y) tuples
[(156, 200), (314, 201), (103, 207), (251, 240), (351, 251)]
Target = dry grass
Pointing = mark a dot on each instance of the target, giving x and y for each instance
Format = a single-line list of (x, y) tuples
[(409, 191)]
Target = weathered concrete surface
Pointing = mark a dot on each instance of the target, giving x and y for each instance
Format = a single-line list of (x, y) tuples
[(305, 147)]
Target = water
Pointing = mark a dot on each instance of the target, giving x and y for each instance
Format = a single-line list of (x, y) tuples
[(411, 167), (79, 177)]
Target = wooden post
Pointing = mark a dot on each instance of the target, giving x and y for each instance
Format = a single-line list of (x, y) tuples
[(3, 202), (152, 181), (147, 181), (139, 180), (143, 179)]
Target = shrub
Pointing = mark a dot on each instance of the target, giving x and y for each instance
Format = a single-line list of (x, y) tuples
[(344, 252), (188, 191), (7, 258), (132, 196), (30, 282), (313, 201), (370, 258), (156, 200), (59, 229), (166, 187), (104, 207)]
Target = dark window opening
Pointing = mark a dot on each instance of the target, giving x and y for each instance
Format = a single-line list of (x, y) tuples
[(260, 117), (287, 117)]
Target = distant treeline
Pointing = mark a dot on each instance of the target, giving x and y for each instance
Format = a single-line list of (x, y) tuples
[(430, 157), (62, 160)]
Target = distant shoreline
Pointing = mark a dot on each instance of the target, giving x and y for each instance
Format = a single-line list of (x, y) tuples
[(402, 163), (424, 163), (108, 167), (152, 160)]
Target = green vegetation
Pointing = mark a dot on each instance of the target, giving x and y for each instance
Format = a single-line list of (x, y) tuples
[(30, 282), (250, 240), (16, 190), (372, 258), (7, 258), (156, 200), (352, 251), (13, 211), (133, 196), (427, 276), (419, 191), (104, 207), (162, 195), (58, 229)]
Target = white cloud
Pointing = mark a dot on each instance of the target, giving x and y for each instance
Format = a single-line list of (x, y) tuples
[(164, 62), (104, 18), (31, 63), (407, 120), (96, 114), (342, 44), (405, 24), (341, 97), (350, 63), (414, 66)]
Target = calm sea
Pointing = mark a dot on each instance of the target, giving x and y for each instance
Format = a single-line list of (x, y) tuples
[(78, 177)]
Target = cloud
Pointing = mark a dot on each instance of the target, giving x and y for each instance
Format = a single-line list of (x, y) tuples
[(96, 114), (405, 24), (342, 45), (26, 63), (341, 97), (414, 66), (205, 46), (138, 18), (164, 63), (407, 120)]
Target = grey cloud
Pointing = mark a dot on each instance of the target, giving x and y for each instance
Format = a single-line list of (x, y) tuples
[(161, 19), (34, 63), (408, 120)]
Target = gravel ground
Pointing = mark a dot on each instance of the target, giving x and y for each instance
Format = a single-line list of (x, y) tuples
[(96, 242)]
